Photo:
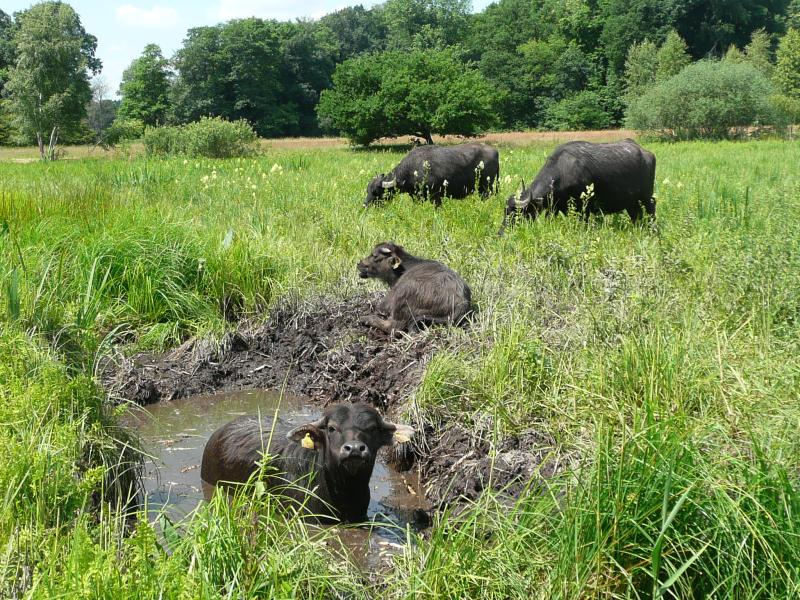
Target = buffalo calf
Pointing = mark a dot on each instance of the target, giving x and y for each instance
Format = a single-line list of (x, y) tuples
[(332, 457), (420, 290)]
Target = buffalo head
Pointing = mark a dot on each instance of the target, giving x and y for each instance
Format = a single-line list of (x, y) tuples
[(348, 436), (379, 188), (385, 262), (523, 202)]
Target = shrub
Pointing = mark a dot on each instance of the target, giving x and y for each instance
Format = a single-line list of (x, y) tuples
[(122, 130), (211, 137), (707, 99), (163, 141), (580, 111)]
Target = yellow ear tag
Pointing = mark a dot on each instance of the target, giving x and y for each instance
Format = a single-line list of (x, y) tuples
[(307, 442)]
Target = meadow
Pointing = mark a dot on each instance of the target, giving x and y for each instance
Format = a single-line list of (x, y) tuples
[(664, 362)]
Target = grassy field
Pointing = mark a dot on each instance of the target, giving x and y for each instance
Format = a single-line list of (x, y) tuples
[(665, 362)]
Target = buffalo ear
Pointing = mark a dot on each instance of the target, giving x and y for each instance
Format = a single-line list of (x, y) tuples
[(308, 431), (395, 262), (400, 433)]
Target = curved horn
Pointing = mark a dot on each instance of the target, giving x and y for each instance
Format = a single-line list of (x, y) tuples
[(389, 184)]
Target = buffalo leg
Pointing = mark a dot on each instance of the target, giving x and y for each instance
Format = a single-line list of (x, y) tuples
[(634, 212), (388, 326)]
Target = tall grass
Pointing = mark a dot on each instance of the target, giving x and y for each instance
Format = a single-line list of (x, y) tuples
[(664, 363)]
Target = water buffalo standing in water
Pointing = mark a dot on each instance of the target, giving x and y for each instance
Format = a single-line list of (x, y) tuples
[(333, 456), (598, 178), (420, 290), (432, 172)]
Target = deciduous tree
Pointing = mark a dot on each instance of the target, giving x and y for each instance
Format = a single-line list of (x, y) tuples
[(145, 88), (406, 93), (49, 82)]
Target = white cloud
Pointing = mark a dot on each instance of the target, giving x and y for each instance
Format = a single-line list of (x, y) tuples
[(157, 17)]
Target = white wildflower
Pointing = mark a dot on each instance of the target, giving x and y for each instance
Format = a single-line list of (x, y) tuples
[(276, 168)]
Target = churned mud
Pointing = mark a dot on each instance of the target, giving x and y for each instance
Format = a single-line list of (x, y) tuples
[(319, 350)]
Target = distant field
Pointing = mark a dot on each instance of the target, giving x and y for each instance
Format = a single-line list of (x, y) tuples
[(521, 138), (664, 363)]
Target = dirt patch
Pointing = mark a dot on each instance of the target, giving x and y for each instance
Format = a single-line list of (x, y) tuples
[(320, 350)]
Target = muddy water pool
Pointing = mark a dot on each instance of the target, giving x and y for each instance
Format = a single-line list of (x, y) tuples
[(173, 434)]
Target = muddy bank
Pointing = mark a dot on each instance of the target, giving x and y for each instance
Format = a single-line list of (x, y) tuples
[(319, 350)]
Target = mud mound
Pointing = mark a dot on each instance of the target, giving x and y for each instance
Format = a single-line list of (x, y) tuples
[(320, 350)]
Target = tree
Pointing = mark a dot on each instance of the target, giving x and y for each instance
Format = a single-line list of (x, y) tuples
[(628, 21), (406, 93), (145, 88), (711, 27), (49, 83), (309, 53), (787, 73), (672, 57), (6, 47), (426, 23), (236, 71), (356, 31), (759, 51), (102, 111), (640, 69)]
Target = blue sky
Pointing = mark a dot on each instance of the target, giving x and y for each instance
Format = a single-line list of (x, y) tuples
[(124, 27)]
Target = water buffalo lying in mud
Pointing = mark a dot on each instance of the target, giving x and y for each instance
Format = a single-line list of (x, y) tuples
[(420, 290), (598, 178), (432, 172), (333, 457)]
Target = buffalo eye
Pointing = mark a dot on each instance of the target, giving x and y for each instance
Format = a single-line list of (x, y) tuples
[(331, 429)]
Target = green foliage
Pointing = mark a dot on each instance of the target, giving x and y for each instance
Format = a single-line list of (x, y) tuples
[(713, 99), (235, 71), (145, 88), (122, 130), (672, 57), (640, 69), (759, 51), (627, 21), (583, 110), (787, 66), (400, 93), (421, 24), (49, 86), (211, 137), (357, 30)]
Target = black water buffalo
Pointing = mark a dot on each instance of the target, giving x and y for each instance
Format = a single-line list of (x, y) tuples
[(432, 172), (420, 290), (333, 457), (598, 178)]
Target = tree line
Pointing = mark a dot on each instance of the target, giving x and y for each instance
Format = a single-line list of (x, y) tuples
[(402, 67)]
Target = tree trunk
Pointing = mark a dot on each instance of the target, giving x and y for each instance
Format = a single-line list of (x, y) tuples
[(51, 148), (40, 142), (428, 138)]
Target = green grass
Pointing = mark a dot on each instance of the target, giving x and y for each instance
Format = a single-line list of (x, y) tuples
[(665, 364)]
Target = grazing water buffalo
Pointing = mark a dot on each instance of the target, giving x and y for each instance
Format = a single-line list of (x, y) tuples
[(621, 176), (433, 172), (333, 457), (420, 290)]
